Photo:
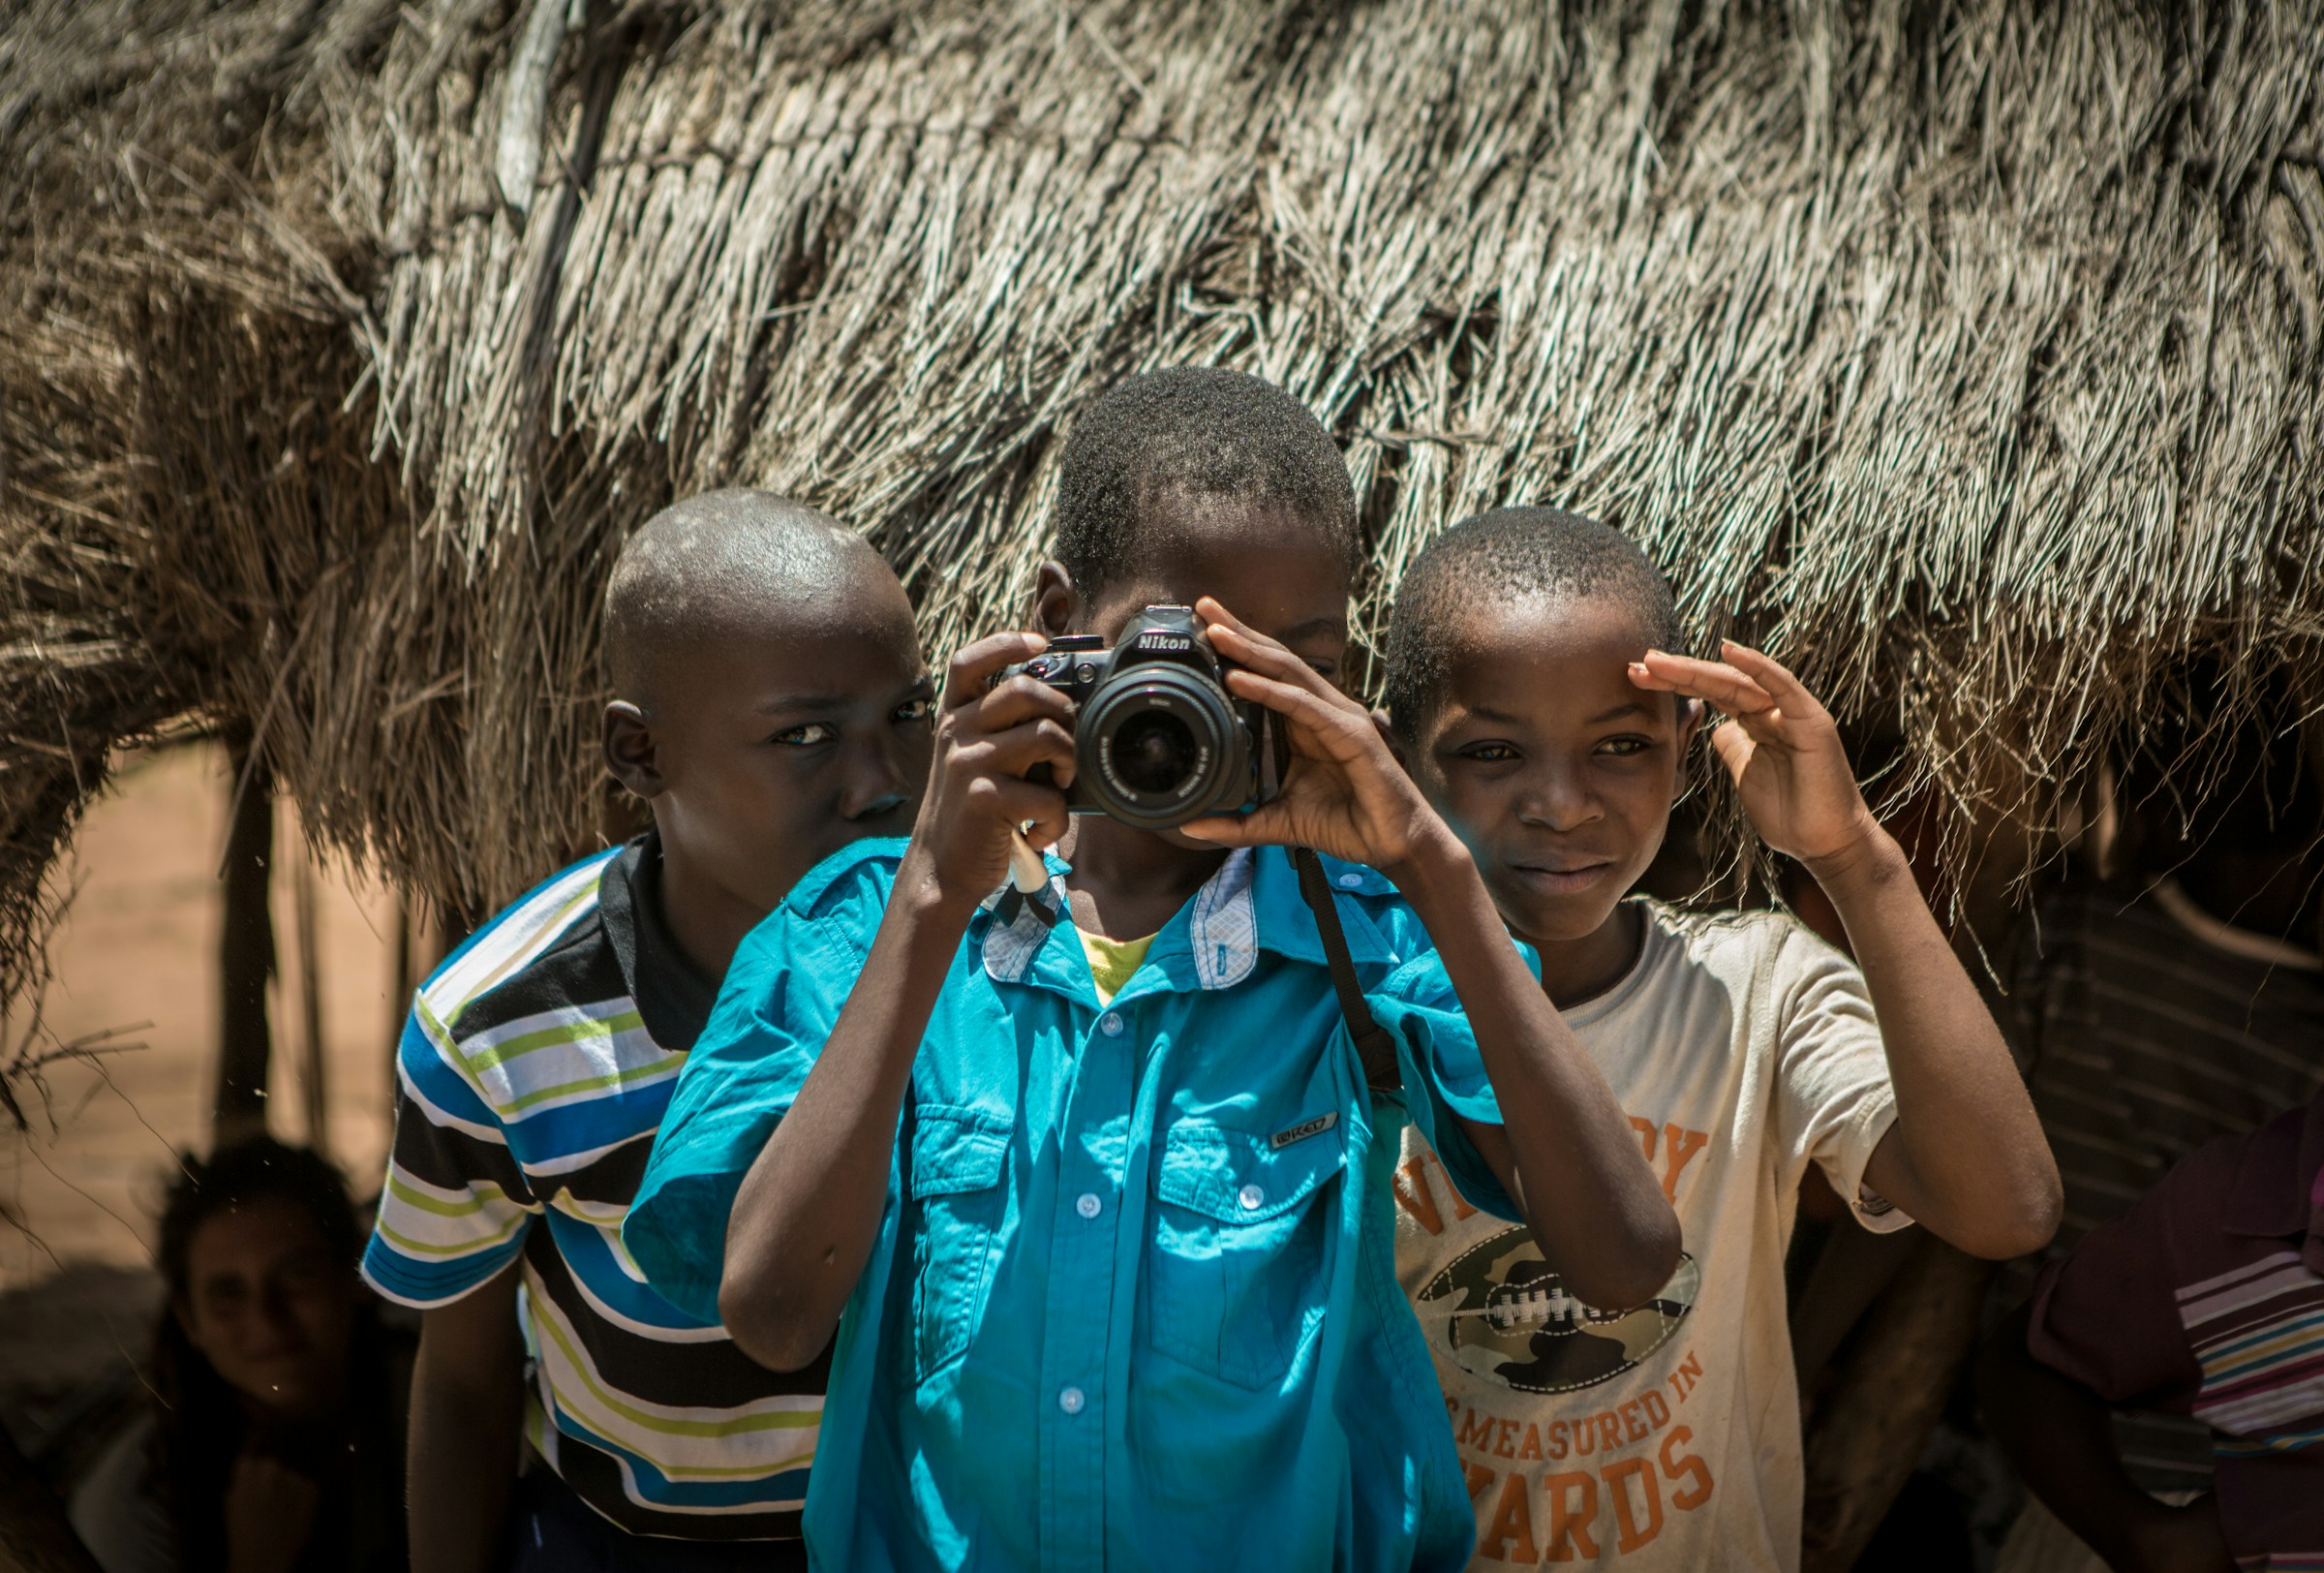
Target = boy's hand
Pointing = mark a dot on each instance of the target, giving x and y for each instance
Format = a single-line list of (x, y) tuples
[(986, 742), (1343, 791), (2185, 1539), (1782, 747)]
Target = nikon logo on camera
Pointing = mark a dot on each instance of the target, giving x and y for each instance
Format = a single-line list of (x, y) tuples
[(1155, 639)]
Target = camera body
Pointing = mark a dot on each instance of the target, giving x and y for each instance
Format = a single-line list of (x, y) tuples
[(1158, 738)]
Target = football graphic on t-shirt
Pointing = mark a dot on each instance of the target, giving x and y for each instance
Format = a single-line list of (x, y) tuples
[(1500, 1313)]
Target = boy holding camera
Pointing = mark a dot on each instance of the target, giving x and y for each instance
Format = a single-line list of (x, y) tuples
[(1116, 1270), (770, 705), (1531, 691)]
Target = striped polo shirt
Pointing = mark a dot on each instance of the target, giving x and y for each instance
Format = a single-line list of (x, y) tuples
[(534, 1069), (2207, 1299)]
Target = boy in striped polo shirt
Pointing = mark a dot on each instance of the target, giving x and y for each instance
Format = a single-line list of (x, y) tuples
[(773, 706), (2206, 1299)]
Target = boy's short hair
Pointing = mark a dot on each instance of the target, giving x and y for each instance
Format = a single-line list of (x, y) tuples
[(1504, 555), (714, 562), (1202, 431)]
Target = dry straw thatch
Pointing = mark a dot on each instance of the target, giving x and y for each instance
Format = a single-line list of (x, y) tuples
[(1966, 351)]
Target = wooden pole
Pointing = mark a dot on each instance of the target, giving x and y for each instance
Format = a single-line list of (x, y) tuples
[(314, 1093), (400, 987), (245, 949), (1898, 1371)]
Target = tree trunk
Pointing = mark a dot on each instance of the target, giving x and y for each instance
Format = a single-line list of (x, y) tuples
[(245, 950)]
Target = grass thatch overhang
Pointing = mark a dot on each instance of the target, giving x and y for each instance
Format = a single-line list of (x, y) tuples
[(1967, 354)]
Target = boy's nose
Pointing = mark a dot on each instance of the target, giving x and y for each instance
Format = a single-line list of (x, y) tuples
[(876, 787), (1557, 801)]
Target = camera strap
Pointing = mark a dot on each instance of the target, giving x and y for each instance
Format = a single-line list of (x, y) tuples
[(1372, 1041)]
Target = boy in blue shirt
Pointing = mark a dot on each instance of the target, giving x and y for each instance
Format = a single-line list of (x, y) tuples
[(1095, 1172)]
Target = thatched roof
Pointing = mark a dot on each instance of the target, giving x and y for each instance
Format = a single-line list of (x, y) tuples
[(1966, 351)]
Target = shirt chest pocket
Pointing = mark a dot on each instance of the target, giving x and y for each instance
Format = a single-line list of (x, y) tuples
[(1235, 1275), (960, 1156)]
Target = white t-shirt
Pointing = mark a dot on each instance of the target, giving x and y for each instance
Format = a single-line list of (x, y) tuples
[(1742, 1047)]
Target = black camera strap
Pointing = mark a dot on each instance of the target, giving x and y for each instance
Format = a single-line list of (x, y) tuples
[(1372, 1041)]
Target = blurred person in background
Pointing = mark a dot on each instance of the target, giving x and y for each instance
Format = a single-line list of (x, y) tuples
[(274, 1440)]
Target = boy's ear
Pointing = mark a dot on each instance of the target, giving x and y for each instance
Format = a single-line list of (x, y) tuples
[(630, 749), (1056, 600)]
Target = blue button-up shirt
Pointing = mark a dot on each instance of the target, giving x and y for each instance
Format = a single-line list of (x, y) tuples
[(1133, 1302)]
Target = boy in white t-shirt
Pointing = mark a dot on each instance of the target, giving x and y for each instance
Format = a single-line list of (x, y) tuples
[(1532, 699)]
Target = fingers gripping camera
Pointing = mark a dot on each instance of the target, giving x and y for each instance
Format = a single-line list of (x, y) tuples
[(1158, 738)]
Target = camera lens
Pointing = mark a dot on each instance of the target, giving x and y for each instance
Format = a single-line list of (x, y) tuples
[(1153, 751)]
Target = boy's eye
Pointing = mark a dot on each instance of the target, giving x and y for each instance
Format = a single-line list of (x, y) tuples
[(915, 710), (1490, 753), (806, 736), (1624, 746)]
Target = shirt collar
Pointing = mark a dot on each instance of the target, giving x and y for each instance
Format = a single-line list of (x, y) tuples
[(2279, 1189), (1252, 902), (673, 997)]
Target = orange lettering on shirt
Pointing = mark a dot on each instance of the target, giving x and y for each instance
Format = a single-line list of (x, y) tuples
[(1476, 1476), (1700, 1492), (1506, 1446), (1610, 1432), (1532, 1449), (1646, 1134), (1633, 1427), (1460, 1203), (1629, 1532), (1477, 1432), (1570, 1525), (1557, 1438), (1411, 1185), (1658, 1413), (1684, 1379), (1678, 1146), (1513, 1521)]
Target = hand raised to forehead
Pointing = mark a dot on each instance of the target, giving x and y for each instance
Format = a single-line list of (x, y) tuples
[(1781, 746), (1343, 791)]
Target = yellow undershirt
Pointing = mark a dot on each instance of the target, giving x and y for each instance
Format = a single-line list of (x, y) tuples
[(1111, 962)]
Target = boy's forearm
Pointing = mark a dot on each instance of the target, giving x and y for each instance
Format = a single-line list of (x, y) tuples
[(2061, 1439), (1575, 1155), (466, 1434), (808, 1212), (1966, 1156)]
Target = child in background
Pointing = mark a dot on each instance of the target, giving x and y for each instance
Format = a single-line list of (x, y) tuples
[(1115, 1251), (1534, 699), (771, 706), (274, 1443), (2206, 1299)]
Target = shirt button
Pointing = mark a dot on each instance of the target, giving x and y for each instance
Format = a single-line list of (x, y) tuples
[(1089, 1206), (1071, 1399), (1349, 881), (1251, 1196), (1112, 1024)]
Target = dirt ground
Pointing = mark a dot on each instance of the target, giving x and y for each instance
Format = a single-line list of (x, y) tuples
[(137, 955)]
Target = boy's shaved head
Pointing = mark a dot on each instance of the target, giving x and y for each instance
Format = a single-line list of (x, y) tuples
[(721, 564), (1199, 437), (1502, 556)]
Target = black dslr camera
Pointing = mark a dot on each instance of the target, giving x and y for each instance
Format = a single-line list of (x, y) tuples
[(1158, 738)]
